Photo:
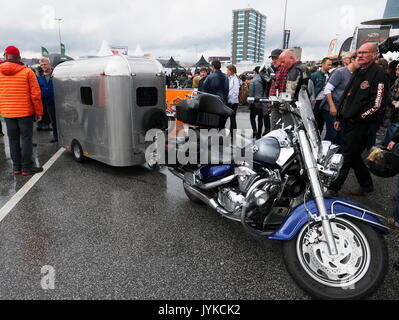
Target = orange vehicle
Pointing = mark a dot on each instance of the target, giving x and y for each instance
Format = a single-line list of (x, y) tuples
[(173, 97)]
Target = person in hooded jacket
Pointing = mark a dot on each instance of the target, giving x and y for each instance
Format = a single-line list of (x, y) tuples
[(20, 105)]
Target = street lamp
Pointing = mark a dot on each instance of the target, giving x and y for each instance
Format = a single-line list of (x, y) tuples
[(285, 21), (59, 30)]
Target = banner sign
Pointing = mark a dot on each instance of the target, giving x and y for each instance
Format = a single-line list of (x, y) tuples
[(372, 35), (120, 50), (286, 40)]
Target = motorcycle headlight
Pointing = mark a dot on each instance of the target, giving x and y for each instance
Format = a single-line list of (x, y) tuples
[(336, 162), (330, 161), (328, 150)]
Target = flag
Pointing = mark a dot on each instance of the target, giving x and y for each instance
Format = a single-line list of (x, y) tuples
[(331, 48), (45, 52), (62, 49), (346, 47)]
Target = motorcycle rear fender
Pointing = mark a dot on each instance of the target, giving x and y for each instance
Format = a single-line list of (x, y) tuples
[(299, 217)]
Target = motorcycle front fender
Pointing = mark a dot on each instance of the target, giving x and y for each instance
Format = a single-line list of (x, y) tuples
[(300, 217)]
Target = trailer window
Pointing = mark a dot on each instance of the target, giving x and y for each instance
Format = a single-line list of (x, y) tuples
[(147, 96), (86, 95)]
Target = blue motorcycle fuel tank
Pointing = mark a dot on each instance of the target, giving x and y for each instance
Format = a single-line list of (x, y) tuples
[(212, 173)]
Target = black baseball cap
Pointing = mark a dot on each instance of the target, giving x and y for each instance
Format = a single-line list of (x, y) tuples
[(276, 53)]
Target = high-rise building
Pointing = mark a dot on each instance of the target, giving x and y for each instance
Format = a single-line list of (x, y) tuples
[(248, 36)]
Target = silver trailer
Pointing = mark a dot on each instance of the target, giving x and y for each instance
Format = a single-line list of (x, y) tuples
[(105, 106)]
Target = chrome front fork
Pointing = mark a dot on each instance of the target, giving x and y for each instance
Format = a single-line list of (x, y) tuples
[(311, 167)]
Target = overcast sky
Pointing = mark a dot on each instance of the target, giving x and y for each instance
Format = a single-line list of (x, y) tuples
[(184, 29)]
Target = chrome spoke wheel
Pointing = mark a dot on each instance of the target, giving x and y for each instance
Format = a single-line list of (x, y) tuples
[(342, 270)]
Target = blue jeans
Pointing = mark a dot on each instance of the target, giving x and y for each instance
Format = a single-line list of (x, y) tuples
[(331, 134), (393, 127)]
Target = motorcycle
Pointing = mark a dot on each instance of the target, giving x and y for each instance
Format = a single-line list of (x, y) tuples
[(332, 248)]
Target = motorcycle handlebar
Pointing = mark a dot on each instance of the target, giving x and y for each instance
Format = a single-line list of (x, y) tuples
[(255, 100), (270, 100)]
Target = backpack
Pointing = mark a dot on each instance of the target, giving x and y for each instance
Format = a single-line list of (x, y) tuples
[(243, 93)]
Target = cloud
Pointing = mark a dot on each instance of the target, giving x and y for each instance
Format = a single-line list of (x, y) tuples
[(178, 27)]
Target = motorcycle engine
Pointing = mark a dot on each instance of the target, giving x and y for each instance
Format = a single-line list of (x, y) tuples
[(294, 187), (231, 200)]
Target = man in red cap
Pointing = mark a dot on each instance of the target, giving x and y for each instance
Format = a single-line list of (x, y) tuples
[(20, 105)]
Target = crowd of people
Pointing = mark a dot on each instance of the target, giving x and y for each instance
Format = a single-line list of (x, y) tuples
[(186, 80), (351, 104)]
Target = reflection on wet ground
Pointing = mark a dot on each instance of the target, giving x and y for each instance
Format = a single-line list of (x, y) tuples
[(10, 184), (131, 233)]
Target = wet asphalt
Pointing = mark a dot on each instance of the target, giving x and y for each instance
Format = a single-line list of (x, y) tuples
[(131, 233)]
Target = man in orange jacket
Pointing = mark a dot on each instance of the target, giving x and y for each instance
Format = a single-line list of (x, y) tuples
[(20, 105), (1, 127)]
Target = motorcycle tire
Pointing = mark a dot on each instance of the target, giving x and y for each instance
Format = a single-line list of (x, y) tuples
[(352, 237)]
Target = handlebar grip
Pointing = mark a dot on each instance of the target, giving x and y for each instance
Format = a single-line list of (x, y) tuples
[(254, 100)]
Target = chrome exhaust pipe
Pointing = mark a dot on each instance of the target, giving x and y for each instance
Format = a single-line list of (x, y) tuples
[(217, 183), (203, 186), (177, 173), (210, 202)]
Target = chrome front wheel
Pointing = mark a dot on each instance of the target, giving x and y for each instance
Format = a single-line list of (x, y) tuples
[(342, 270)]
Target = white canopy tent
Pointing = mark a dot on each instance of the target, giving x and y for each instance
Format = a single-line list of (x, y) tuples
[(105, 50)]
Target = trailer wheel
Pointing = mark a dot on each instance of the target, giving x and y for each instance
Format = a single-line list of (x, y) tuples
[(155, 119), (77, 151)]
